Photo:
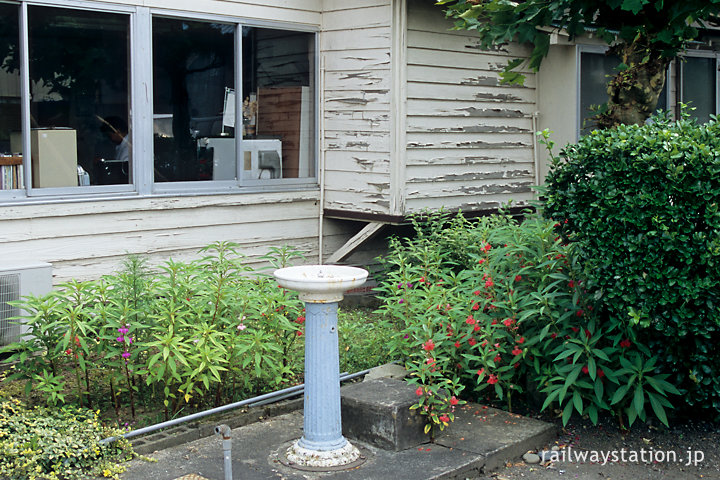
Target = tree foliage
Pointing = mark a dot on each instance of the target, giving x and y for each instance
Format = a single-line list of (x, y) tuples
[(645, 34)]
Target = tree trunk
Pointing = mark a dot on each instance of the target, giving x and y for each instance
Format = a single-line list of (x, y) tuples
[(634, 92)]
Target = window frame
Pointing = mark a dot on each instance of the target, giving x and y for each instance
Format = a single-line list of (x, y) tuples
[(680, 80), (140, 63), (602, 49)]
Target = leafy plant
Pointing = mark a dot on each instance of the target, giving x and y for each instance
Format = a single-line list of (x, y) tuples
[(641, 205), (501, 310), (56, 443)]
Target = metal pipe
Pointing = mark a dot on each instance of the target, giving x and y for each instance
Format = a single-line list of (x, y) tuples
[(224, 431), (242, 403)]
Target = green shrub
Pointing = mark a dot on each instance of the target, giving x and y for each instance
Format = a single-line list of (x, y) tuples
[(642, 206), (56, 444), (504, 312)]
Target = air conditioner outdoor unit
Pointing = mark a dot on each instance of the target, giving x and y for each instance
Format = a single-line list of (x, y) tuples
[(17, 281)]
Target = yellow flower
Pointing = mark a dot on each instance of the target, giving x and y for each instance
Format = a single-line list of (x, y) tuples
[(107, 473)]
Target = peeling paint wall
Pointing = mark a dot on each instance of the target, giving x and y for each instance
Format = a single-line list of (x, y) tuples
[(355, 48), (469, 139)]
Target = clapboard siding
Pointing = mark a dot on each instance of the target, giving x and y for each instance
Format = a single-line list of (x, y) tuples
[(356, 50), (88, 239), (469, 139)]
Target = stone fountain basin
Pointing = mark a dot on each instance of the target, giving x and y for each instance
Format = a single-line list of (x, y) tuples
[(321, 283)]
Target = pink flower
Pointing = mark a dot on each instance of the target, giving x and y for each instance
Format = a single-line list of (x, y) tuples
[(419, 391), (120, 339), (241, 327), (125, 355)]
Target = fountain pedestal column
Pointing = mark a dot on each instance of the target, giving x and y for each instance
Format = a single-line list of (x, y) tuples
[(321, 287)]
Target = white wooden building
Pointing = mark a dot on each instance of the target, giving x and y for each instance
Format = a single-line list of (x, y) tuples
[(355, 113)]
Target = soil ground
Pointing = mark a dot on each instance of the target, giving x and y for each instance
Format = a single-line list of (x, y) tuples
[(689, 449)]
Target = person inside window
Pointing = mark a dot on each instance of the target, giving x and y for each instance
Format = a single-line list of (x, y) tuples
[(115, 170)]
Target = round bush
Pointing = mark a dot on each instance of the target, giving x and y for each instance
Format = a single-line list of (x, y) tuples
[(641, 203)]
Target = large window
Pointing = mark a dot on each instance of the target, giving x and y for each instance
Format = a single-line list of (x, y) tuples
[(695, 83), (122, 100), (596, 70), (79, 107)]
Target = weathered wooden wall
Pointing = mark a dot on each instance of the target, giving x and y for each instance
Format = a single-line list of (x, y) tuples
[(355, 51), (469, 139), (88, 239)]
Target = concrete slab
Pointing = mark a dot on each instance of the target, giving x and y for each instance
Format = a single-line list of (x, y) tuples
[(480, 439), (497, 435)]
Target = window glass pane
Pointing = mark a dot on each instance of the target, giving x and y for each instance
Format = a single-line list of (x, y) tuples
[(11, 169), (278, 120), (596, 70), (193, 81), (698, 89), (79, 75)]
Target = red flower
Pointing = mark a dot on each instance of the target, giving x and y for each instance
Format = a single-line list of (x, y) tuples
[(444, 418), (454, 401), (476, 306), (585, 370), (492, 380), (429, 346), (470, 320), (484, 344), (587, 333), (489, 283), (487, 248), (300, 319), (521, 340), (625, 343), (600, 372), (516, 351), (481, 371), (476, 292), (579, 313), (575, 329), (571, 284), (422, 279), (518, 278), (457, 344), (472, 342), (476, 328), (419, 391), (481, 261), (553, 335), (508, 321), (494, 322), (299, 333), (497, 358)]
